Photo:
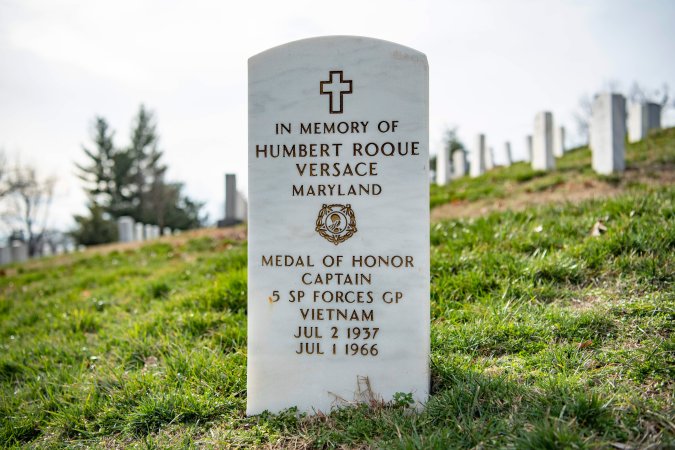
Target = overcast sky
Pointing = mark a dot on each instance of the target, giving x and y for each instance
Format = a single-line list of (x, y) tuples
[(493, 65)]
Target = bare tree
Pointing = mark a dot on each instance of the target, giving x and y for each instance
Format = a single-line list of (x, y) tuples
[(583, 117), (639, 94), (29, 205), (5, 184)]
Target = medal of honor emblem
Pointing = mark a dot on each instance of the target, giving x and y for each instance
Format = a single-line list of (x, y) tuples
[(336, 223)]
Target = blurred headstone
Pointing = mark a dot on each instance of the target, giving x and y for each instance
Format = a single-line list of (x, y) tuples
[(242, 207), (608, 132), (643, 117), (542, 142), (19, 251), (5, 255), (148, 232), (478, 151), (559, 142), (442, 166), (508, 158), (138, 232), (125, 229), (528, 148), (459, 164), (489, 158)]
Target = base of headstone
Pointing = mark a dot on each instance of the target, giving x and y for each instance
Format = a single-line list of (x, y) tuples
[(224, 223)]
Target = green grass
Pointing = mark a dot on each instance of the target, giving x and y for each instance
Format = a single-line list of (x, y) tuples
[(542, 336)]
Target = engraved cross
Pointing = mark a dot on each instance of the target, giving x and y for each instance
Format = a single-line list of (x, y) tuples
[(336, 86)]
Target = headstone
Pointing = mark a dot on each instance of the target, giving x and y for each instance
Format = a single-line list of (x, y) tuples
[(477, 167), (542, 142), (459, 165), (608, 128), (148, 232), (125, 229), (653, 116), (442, 166), (489, 158), (138, 232), (230, 199), (338, 292), (508, 158), (5, 255), (19, 251), (242, 208), (528, 148), (559, 142), (643, 117), (637, 123), (166, 231)]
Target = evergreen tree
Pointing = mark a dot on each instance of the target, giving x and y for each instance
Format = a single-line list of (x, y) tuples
[(130, 182), (96, 228)]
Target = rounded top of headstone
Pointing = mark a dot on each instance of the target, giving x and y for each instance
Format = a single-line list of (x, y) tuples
[(345, 40)]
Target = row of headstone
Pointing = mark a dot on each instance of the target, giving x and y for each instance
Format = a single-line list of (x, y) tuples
[(17, 251), (481, 158), (130, 231), (449, 167), (608, 130)]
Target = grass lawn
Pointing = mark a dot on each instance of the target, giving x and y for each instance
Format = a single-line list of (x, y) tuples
[(543, 335)]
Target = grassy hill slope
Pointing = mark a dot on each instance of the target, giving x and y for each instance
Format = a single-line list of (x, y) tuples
[(543, 335), (649, 163)]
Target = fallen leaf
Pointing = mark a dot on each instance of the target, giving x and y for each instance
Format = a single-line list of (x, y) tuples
[(585, 344)]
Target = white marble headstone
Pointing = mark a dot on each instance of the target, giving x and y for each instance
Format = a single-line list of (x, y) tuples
[(542, 142), (148, 232), (5, 255), (489, 158), (19, 251), (478, 152), (338, 229), (559, 142), (508, 157), (459, 163), (528, 148), (442, 166), (608, 133), (125, 229), (138, 231), (643, 117)]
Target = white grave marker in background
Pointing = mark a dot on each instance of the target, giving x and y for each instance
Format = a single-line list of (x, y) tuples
[(559, 142), (643, 117), (442, 166), (478, 151), (542, 142), (459, 163), (338, 288), (608, 133)]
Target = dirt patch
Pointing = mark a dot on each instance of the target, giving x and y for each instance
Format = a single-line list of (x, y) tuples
[(575, 190)]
